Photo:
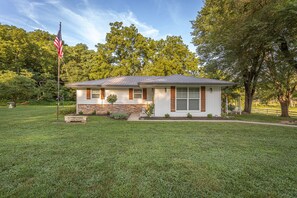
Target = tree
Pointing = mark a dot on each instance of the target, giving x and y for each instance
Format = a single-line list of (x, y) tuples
[(170, 56), (127, 52), (281, 78), (78, 63), (16, 87), (232, 36)]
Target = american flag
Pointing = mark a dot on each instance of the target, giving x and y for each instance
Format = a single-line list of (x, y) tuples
[(58, 43)]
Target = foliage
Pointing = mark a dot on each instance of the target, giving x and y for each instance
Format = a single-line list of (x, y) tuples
[(112, 98), (119, 116), (94, 112), (231, 107), (209, 115), (80, 113), (78, 63), (167, 115), (150, 109), (48, 91), (127, 52), (189, 115), (16, 87), (229, 42), (67, 110), (143, 156)]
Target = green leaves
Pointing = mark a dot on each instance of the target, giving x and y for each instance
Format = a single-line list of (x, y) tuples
[(16, 87), (127, 52)]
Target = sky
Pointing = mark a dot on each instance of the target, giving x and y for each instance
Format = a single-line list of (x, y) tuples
[(87, 21)]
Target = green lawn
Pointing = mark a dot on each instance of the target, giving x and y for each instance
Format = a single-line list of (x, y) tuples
[(107, 158), (257, 117)]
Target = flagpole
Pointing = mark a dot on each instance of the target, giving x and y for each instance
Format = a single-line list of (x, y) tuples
[(58, 99), (59, 62)]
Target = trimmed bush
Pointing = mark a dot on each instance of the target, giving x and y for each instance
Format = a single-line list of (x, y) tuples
[(119, 116), (167, 115), (80, 113), (94, 112), (67, 110), (112, 98), (189, 115), (209, 115)]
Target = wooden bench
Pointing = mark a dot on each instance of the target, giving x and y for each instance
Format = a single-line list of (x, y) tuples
[(75, 118)]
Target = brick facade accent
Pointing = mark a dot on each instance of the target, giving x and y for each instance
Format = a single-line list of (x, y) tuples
[(115, 108)]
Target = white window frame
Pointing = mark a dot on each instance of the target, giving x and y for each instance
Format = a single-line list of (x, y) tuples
[(188, 99), (137, 93), (95, 94)]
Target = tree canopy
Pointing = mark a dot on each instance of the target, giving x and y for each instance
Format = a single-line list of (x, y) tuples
[(125, 52), (235, 38)]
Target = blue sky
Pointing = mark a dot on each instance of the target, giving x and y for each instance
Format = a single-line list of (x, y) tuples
[(87, 21)]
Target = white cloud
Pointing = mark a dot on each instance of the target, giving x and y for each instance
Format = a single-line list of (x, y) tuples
[(84, 25)]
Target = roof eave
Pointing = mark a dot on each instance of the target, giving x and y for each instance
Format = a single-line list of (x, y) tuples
[(192, 84)]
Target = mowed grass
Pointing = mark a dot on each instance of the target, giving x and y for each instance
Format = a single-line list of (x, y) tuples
[(108, 158), (258, 117)]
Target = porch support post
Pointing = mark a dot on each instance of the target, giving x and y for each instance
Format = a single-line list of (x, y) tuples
[(227, 105)]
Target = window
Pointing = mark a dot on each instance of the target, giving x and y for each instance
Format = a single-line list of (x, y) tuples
[(137, 93), (187, 98), (193, 98), (95, 93), (181, 98)]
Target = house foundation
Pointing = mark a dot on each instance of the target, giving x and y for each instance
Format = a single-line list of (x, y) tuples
[(102, 109)]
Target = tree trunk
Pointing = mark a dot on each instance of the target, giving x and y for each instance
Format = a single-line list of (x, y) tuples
[(248, 98), (284, 108), (284, 100)]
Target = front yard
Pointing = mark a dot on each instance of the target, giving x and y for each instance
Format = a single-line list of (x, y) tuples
[(109, 158)]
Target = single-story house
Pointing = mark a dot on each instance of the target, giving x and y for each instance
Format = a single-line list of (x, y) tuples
[(176, 95)]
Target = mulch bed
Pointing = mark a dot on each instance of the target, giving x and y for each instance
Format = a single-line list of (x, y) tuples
[(184, 118)]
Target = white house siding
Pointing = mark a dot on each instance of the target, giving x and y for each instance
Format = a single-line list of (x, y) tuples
[(213, 103), (122, 95)]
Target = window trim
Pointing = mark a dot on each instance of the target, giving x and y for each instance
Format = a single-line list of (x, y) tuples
[(188, 98), (96, 94), (140, 93)]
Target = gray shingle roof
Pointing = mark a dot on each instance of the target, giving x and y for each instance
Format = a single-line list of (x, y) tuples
[(181, 79), (126, 81)]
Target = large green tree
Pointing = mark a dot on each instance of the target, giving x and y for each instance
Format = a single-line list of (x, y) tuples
[(170, 56), (78, 63), (234, 36), (15, 86), (127, 52)]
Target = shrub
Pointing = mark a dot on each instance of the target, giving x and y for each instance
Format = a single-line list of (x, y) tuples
[(108, 113), (112, 98), (94, 112), (231, 107), (67, 110), (80, 113), (189, 115), (167, 115), (119, 116), (209, 115), (149, 110)]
